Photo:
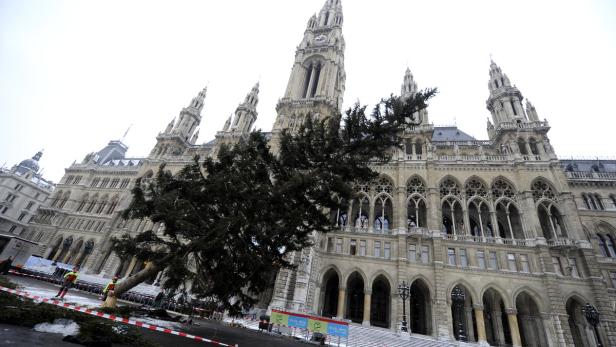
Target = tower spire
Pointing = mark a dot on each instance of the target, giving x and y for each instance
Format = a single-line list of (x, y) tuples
[(505, 101), (246, 112), (408, 89), (190, 117), (318, 72)]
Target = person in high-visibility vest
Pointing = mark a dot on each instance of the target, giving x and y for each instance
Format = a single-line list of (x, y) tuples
[(110, 287), (69, 281)]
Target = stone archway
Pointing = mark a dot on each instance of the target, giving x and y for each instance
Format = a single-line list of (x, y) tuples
[(580, 329), (355, 298), (331, 286), (55, 249), (420, 311), (532, 331), (464, 323), (380, 306), (495, 319)]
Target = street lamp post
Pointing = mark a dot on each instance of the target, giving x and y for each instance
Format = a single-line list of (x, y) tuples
[(458, 296), (404, 291), (592, 317)]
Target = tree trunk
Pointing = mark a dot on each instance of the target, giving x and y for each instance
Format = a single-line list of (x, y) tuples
[(131, 282)]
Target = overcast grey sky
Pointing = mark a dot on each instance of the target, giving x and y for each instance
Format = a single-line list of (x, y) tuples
[(76, 74)]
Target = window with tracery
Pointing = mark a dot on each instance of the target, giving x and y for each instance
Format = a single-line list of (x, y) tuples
[(501, 188), (382, 185), (449, 187), (415, 185), (474, 187), (416, 206), (542, 190)]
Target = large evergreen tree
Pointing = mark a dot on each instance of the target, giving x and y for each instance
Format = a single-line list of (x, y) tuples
[(231, 220)]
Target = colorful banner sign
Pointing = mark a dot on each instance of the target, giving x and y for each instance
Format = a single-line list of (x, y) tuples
[(314, 324)]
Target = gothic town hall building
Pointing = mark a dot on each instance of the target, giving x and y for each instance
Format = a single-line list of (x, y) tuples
[(500, 241)]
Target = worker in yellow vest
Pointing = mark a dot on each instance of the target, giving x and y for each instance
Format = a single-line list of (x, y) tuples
[(110, 287), (69, 281)]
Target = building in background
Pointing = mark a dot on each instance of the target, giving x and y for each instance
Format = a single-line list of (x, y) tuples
[(500, 241), (22, 190)]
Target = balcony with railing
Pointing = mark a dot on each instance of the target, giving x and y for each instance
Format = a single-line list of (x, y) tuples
[(591, 175)]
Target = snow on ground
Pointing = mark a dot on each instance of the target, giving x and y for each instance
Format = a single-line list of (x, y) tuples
[(70, 297), (161, 323), (59, 326), (44, 265)]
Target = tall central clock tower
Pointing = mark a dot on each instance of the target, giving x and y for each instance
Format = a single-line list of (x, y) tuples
[(316, 84), (315, 89)]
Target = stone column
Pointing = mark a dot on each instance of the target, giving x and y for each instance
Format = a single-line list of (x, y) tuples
[(528, 149), (481, 328), (497, 327), (465, 220), (513, 327), (341, 301), (400, 213), (371, 218), (469, 324), (494, 223), (432, 206), (367, 302)]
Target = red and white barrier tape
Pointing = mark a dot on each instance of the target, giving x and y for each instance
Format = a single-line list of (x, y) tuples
[(111, 316)]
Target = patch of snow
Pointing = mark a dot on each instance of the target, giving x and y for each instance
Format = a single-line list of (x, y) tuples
[(159, 322), (70, 297), (59, 326)]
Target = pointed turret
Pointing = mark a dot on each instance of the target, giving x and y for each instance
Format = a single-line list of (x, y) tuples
[(312, 22), (246, 112), (227, 123), (330, 14), (170, 126), (197, 101), (531, 112), (408, 89), (409, 86), (190, 117), (505, 101)]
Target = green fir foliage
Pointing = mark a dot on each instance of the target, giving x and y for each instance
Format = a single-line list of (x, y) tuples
[(231, 221)]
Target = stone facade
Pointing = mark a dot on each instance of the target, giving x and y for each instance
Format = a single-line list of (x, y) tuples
[(500, 241)]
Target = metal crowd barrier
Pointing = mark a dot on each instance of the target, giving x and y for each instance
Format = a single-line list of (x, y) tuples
[(94, 288)]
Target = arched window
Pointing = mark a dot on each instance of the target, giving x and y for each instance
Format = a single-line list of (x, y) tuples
[(477, 209), (585, 200), (602, 246), (609, 242), (383, 206), (599, 203), (82, 203), (416, 206), (102, 205), (522, 146), (338, 216), (360, 210), (418, 147), (550, 218), (92, 203), (533, 146), (451, 208), (112, 205)]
